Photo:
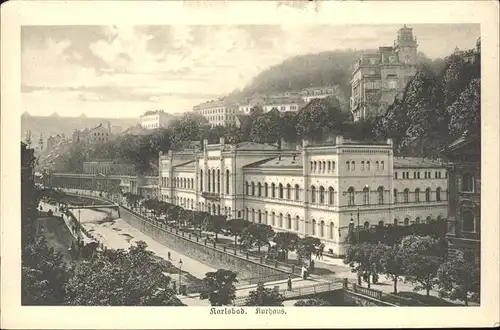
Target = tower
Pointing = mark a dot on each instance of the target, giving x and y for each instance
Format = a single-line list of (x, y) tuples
[(405, 46)]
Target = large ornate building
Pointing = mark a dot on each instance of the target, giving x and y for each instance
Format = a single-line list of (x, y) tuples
[(464, 185), (312, 190), (218, 112), (379, 77)]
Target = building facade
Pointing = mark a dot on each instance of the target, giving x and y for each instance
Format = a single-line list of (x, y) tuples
[(464, 209), (312, 190), (155, 119), (312, 93), (218, 112), (95, 135), (284, 104), (380, 76), (28, 194)]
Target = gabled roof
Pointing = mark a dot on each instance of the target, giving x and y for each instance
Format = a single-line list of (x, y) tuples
[(279, 162), (254, 146), (462, 141), (414, 162), (189, 163)]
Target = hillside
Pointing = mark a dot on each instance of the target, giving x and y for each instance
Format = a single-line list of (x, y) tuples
[(313, 70), (48, 125)]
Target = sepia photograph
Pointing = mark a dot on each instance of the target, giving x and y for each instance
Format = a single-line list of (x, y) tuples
[(265, 165)]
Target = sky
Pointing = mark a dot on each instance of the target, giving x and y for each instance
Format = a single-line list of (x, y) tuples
[(123, 71)]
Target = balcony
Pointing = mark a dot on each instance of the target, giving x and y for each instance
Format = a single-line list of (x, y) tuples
[(211, 196)]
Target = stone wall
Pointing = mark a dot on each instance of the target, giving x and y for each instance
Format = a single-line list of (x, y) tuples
[(198, 250)]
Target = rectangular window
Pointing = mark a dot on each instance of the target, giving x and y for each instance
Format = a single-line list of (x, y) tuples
[(395, 175)]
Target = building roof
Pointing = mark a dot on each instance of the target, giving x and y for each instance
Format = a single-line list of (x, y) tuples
[(414, 162), (135, 130), (283, 100), (254, 146), (279, 162), (460, 142)]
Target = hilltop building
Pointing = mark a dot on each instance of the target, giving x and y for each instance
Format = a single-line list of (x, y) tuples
[(155, 119), (284, 103), (218, 112), (380, 76), (312, 190), (312, 93)]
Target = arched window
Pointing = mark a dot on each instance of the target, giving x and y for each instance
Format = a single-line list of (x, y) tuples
[(208, 180), (395, 222), (350, 196), (406, 195), (427, 194), (218, 209), (280, 224), (324, 166), (313, 225), (288, 191), (213, 180), (377, 165), (417, 220), (266, 220), (289, 221), (273, 219), (407, 221), (253, 188), (280, 191), (266, 190), (467, 183), (314, 166), (319, 166), (353, 166), (395, 195), (330, 231), (382, 165), (438, 194), (362, 165), (247, 188), (417, 195), (201, 180), (381, 223), (297, 192), (192, 183), (247, 213), (273, 190), (313, 194), (366, 225), (218, 181), (322, 229), (428, 220), (331, 196), (329, 166), (227, 181), (322, 195), (347, 166), (368, 165), (253, 215), (297, 223), (259, 189), (311, 168), (366, 195), (380, 193)]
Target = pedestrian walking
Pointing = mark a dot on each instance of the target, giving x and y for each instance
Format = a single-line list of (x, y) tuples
[(304, 272), (289, 283), (168, 255)]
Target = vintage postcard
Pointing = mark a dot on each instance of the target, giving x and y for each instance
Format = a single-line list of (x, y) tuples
[(237, 164)]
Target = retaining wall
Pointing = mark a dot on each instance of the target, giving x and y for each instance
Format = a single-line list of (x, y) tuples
[(206, 254)]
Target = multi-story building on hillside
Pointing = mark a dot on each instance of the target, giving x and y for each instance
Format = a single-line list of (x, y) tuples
[(312, 93), (283, 104), (312, 190), (155, 119), (218, 112), (380, 76), (95, 135), (464, 209)]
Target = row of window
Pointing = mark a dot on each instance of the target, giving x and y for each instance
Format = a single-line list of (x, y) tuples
[(216, 111), (213, 181), (185, 183), (219, 118), (416, 175), (416, 195), (365, 166)]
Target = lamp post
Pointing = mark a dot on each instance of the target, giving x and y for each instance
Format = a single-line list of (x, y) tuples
[(180, 272)]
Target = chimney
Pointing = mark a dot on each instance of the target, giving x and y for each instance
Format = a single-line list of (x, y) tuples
[(339, 140), (221, 141), (305, 143), (389, 142), (205, 142)]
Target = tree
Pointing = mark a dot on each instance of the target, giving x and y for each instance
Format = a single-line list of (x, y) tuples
[(219, 287), (286, 241), (44, 275), (215, 224), (256, 233), (318, 118), (307, 246), (312, 302), (422, 261), (465, 112), (236, 228), (459, 278), (263, 296), (359, 258), (392, 260), (121, 278)]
